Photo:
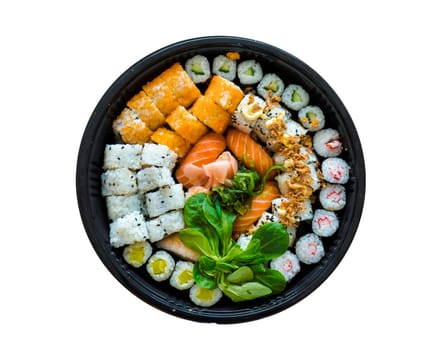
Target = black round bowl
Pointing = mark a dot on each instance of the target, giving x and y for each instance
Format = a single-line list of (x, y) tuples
[(99, 132)]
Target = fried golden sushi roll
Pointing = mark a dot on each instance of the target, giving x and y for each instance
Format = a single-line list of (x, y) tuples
[(225, 93), (172, 140), (186, 124), (211, 114), (131, 128), (147, 110)]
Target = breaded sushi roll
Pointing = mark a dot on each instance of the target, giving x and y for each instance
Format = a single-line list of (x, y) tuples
[(249, 72), (137, 254), (325, 223), (224, 67), (333, 197), (182, 277), (147, 110), (271, 84), (312, 118), (309, 249), (211, 114), (186, 125), (224, 93), (171, 139), (160, 266), (204, 297), (287, 264), (131, 128), (198, 68), (335, 170), (327, 143), (295, 97)]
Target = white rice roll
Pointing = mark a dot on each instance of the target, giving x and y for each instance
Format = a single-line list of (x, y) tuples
[(137, 254), (249, 72), (309, 249), (325, 223), (244, 240), (120, 206), (182, 277), (160, 266), (198, 68), (287, 264), (249, 110), (224, 67), (270, 84), (260, 128), (335, 170), (295, 97), (310, 155), (316, 183), (122, 156), (327, 143), (333, 197), (312, 118), (152, 178), (269, 217), (118, 182), (204, 297), (158, 155), (306, 213), (292, 128), (128, 230)]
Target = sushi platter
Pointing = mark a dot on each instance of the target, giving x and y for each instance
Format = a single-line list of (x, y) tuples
[(220, 179)]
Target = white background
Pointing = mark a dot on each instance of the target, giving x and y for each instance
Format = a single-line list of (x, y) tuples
[(386, 61)]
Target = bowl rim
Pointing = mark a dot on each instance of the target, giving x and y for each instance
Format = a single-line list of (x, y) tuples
[(89, 215)]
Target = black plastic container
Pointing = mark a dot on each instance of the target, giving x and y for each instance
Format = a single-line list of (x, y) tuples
[(99, 132)]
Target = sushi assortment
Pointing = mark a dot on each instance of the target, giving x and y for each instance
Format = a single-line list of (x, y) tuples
[(230, 130)]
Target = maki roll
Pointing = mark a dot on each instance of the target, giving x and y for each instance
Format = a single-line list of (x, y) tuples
[(204, 297), (248, 112), (249, 72), (309, 249), (198, 69), (287, 264), (182, 277), (327, 143), (295, 97), (325, 223), (224, 67), (136, 254), (333, 197), (270, 84), (128, 230), (160, 266), (335, 170), (312, 118)]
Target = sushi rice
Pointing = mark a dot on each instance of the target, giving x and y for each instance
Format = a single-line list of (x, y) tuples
[(136, 254), (224, 67), (309, 249), (182, 277), (295, 97), (160, 265), (325, 223), (204, 297), (249, 72), (287, 264), (198, 69)]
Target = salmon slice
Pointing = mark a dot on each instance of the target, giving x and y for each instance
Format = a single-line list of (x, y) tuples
[(206, 150), (175, 245), (259, 205), (248, 151)]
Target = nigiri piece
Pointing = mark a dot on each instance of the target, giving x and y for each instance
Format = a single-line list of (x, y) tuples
[(248, 151), (175, 245), (206, 150), (260, 203)]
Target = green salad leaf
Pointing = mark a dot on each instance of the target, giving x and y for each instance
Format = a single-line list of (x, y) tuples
[(240, 274)]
